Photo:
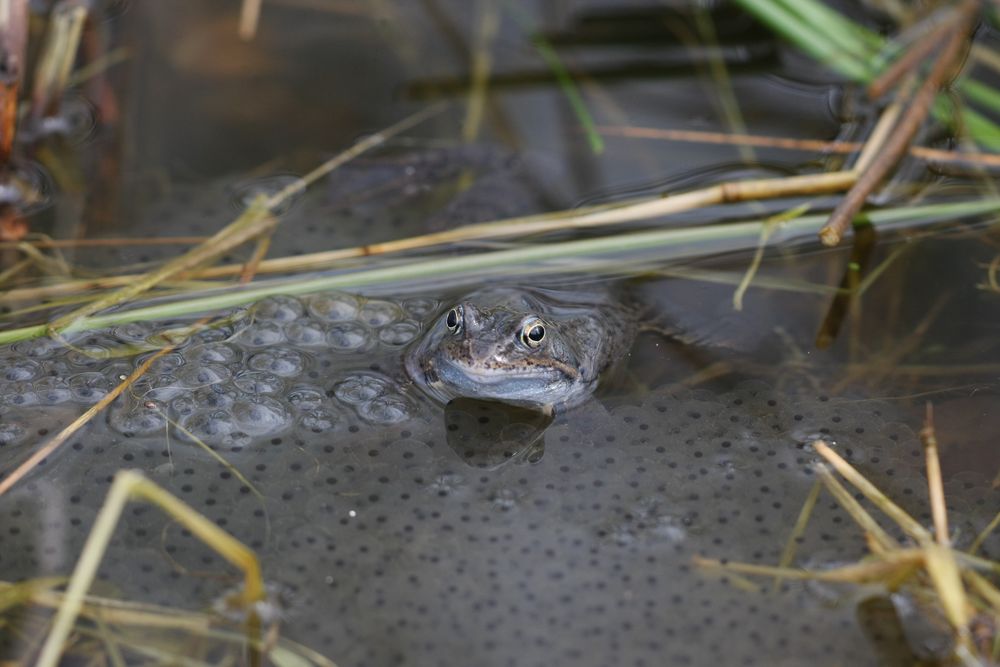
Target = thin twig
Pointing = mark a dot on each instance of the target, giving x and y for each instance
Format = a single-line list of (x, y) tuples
[(936, 488), (908, 61)]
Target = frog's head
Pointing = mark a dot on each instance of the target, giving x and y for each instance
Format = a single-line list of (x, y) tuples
[(500, 344)]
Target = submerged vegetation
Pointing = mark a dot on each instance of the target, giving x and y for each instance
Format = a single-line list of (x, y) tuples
[(928, 71)]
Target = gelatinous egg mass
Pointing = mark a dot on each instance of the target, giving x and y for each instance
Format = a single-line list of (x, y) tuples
[(397, 535)]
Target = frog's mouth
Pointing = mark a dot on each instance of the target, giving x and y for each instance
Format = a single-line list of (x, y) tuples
[(550, 370)]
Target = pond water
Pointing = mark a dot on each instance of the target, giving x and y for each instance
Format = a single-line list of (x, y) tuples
[(393, 530)]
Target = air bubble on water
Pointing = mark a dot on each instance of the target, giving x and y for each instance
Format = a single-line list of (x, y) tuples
[(398, 333), (379, 313), (262, 334), (385, 410), (361, 387), (306, 332), (349, 337), (258, 382), (334, 307), (280, 361), (260, 415), (278, 309)]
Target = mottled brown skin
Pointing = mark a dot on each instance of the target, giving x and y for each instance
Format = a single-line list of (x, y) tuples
[(524, 346)]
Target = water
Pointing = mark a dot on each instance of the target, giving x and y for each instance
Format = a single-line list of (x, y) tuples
[(393, 530)]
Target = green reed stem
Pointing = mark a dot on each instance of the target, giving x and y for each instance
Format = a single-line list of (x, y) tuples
[(660, 245)]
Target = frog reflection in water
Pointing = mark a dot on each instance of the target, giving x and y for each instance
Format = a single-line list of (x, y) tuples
[(531, 347)]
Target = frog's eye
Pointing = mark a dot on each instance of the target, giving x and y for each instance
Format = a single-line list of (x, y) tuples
[(454, 319), (532, 333)]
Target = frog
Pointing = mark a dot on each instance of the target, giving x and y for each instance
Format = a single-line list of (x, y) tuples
[(540, 348)]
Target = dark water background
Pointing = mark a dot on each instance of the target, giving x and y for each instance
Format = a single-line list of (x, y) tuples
[(391, 540)]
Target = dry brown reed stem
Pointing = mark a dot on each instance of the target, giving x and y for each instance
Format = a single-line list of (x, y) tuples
[(41, 454), (911, 120), (784, 143), (908, 61), (934, 483)]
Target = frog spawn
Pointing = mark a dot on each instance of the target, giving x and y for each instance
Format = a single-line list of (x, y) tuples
[(376, 526)]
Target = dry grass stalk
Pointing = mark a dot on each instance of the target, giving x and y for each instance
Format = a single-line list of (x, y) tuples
[(932, 567), (936, 487), (126, 486)]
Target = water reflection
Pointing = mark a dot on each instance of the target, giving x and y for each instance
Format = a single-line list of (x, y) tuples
[(488, 434)]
